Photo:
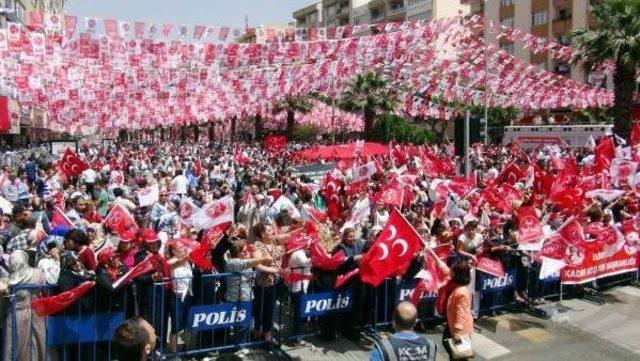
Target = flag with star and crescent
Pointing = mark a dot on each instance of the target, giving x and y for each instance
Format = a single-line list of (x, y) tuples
[(391, 252), (71, 164)]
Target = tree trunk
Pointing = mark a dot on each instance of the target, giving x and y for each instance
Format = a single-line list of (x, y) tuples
[(369, 122), (212, 131), (258, 127), (196, 132), (234, 119), (624, 88), (291, 122)]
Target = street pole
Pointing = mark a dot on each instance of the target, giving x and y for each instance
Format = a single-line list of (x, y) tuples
[(486, 77), (466, 144), (333, 111)]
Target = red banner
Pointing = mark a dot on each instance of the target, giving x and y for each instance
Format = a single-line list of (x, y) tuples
[(600, 264)]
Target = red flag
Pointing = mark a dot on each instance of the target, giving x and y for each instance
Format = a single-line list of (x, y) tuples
[(275, 144), (321, 260), (71, 164), (291, 277), (197, 168), (51, 305), (605, 151), (511, 174), (119, 220), (275, 193), (342, 279), (555, 248), (315, 213), (572, 232), (490, 266), (390, 194), (5, 122), (201, 257), (214, 234), (529, 225), (634, 138), (58, 218), (391, 252), (430, 279), (147, 265), (214, 213), (570, 199), (302, 238)]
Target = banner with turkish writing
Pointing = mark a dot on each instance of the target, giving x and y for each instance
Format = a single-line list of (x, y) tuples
[(591, 265)]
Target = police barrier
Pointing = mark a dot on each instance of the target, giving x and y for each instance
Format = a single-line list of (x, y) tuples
[(80, 332), (220, 310)]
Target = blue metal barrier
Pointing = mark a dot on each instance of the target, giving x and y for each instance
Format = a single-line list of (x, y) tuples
[(496, 293), (82, 331)]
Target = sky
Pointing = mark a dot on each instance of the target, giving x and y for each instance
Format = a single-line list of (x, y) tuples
[(190, 12)]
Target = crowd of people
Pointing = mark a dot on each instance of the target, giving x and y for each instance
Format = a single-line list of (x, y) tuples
[(54, 232)]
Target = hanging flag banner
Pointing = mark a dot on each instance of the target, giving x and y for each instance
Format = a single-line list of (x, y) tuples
[(590, 265)]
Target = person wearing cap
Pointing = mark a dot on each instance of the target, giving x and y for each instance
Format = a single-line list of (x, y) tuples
[(110, 269), (127, 249), (149, 294)]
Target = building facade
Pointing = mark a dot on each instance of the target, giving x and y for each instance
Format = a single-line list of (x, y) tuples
[(18, 10), (547, 19), (358, 12)]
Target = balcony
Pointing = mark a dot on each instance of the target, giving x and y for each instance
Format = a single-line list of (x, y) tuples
[(395, 8), (562, 26)]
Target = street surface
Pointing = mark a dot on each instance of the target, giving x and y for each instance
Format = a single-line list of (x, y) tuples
[(586, 332)]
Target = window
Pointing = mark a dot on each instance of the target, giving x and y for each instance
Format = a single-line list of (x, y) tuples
[(21, 12), (312, 18), (508, 22), (539, 18), (425, 15), (564, 39), (508, 47), (414, 2), (375, 14), (564, 14), (331, 11), (504, 3)]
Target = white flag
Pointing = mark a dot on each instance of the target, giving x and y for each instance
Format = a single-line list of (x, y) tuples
[(148, 196), (285, 203), (550, 266), (364, 171), (214, 213), (361, 211)]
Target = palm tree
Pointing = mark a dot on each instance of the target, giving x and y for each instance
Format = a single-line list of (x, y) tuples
[(292, 104), (615, 37), (368, 93)]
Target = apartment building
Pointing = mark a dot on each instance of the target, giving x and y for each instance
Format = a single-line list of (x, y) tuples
[(359, 12), (547, 19), (17, 10)]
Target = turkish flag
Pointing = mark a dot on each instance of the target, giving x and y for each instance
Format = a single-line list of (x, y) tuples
[(622, 171), (529, 225), (390, 194), (572, 232), (569, 199), (321, 260), (511, 174), (147, 265), (554, 247), (213, 235), (119, 220), (201, 256), (605, 151), (48, 306), (490, 266), (275, 144), (214, 213), (391, 252), (71, 165)]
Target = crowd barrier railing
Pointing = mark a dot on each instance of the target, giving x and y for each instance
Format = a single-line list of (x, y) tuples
[(222, 312)]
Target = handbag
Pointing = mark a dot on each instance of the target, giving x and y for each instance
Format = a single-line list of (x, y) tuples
[(462, 349)]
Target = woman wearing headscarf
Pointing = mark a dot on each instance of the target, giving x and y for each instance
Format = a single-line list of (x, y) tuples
[(29, 332), (72, 275)]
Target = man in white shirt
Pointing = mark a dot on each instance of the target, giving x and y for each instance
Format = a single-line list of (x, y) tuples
[(180, 183), (88, 177), (120, 200)]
